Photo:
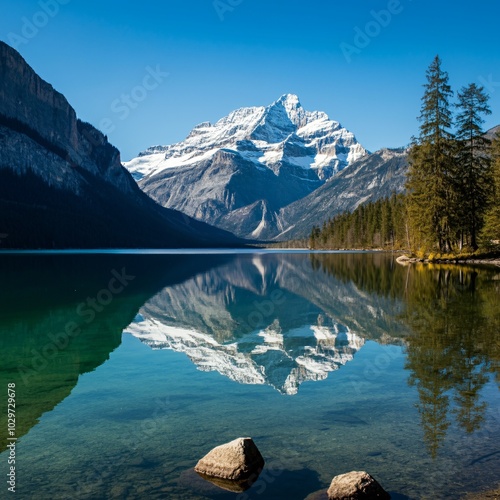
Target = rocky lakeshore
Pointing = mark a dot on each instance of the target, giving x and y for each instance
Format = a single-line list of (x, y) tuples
[(491, 261), (484, 495)]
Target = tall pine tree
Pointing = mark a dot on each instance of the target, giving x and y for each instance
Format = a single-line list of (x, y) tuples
[(430, 186), (473, 163), (491, 230)]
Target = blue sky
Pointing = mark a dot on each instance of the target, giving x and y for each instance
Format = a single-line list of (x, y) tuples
[(183, 62)]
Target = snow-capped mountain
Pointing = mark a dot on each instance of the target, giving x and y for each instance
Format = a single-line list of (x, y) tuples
[(268, 136), (239, 172)]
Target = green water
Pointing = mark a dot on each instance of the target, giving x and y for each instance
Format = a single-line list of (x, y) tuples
[(331, 362)]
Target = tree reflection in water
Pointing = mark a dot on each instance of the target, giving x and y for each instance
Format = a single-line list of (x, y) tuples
[(454, 345), (452, 313)]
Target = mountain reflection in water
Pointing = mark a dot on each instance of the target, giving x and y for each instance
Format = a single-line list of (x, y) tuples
[(263, 318), (282, 319)]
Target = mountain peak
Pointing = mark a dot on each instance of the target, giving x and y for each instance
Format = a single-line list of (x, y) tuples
[(289, 97), (240, 171), (293, 110), (289, 102), (261, 134)]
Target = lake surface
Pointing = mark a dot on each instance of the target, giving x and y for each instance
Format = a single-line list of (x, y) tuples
[(129, 368)]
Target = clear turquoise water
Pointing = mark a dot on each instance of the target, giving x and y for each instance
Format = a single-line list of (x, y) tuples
[(110, 417)]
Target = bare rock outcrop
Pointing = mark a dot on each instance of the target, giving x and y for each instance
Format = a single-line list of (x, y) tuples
[(237, 463), (44, 121), (356, 485)]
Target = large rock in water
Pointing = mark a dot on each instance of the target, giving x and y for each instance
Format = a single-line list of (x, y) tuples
[(356, 486), (238, 460)]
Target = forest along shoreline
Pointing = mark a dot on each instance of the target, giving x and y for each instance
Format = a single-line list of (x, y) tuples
[(449, 210)]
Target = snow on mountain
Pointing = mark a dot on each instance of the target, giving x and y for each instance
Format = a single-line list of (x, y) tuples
[(282, 132), (238, 173)]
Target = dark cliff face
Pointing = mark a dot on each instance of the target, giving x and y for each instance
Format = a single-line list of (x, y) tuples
[(32, 106), (25, 96), (62, 184)]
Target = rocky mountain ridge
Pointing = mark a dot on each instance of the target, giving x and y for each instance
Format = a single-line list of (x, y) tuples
[(372, 177)]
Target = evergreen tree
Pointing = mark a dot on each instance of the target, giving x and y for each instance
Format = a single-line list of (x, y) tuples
[(314, 238), (491, 230), (379, 224), (431, 164), (473, 163)]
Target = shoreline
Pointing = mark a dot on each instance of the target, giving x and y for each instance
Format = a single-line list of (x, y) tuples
[(484, 495), (490, 261)]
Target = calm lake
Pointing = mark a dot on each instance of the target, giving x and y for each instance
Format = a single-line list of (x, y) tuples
[(130, 368)]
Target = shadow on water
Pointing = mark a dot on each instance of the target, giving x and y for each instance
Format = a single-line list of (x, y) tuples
[(50, 335), (272, 483), (346, 418)]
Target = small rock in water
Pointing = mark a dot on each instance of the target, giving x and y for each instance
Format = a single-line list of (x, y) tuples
[(356, 486), (237, 463)]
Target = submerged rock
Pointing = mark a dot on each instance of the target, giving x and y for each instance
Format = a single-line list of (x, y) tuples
[(231, 484), (238, 463), (317, 495), (209, 487), (403, 260), (356, 486)]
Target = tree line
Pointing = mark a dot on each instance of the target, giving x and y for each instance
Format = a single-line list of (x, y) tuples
[(452, 200), (379, 224)]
